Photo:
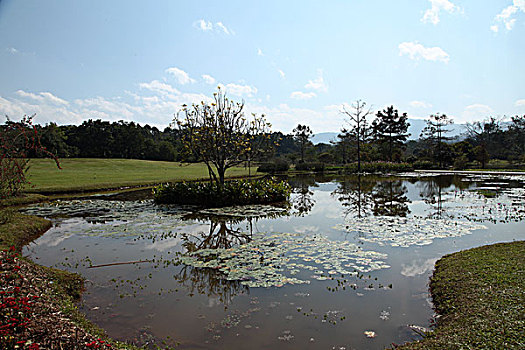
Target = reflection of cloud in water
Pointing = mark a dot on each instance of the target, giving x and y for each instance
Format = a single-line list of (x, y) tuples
[(418, 267), (164, 245), (325, 206), (306, 229), (57, 235)]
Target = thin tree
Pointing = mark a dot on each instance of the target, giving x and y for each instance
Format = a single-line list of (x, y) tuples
[(389, 128), (357, 118), (302, 134), (219, 135), (484, 135), (435, 132)]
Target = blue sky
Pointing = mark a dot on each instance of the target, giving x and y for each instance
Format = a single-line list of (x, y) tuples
[(294, 61)]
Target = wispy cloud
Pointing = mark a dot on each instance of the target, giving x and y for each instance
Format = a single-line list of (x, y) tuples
[(281, 73), (420, 104), (159, 87), (507, 16), (12, 50), (520, 103), (239, 90), (476, 111), (181, 76), (42, 97), (416, 51), (299, 95), (259, 52), (207, 26), (432, 14), (318, 84), (208, 79)]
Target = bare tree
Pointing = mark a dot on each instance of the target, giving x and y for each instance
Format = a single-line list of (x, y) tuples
[(435, 132), (357, 119), (302, 134)]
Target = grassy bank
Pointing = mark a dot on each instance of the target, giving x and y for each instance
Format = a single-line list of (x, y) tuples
[(87, 174), (480, 297), (38, 303)]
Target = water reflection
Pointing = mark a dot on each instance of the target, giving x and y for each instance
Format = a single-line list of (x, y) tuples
[(390, 198), (355, 194), (302, 200), (365, 195)]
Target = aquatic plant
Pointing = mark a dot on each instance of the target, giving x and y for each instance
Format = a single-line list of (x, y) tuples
[(237, 192)]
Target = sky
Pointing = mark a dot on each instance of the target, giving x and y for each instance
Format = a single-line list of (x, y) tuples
[(293, 61)]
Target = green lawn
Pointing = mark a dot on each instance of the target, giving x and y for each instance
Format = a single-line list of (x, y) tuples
[(81, 174), (480, 295)]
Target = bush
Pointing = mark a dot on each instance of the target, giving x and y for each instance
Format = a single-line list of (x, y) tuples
[(237, 192), (314, 166), (378, 167), (423, 164), (460, 162), (273, 167)]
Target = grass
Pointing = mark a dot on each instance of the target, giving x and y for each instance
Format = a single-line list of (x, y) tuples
[(480, 297), (87, 174), (17, 230)]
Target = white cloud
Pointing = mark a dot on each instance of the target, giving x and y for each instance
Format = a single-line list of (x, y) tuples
[(285, 118), (432, 14), (42, 97), (281, 73), (240, 90), (181, 76), (299, 95), (259, 52), (159, 87), (415, 51), (520, 103), (208, 79), (203, 25), (318, 83), (506, 16), (420, 104), (223, 28), (475, 112), (207, 26), (12, 50)]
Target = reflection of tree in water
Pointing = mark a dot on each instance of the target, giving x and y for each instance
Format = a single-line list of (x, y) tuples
[(432, 191), (211, 283), (221, 235), (390, 198), (302, 200), (355, 194)]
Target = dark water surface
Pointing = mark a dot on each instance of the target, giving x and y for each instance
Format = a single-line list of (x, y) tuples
[(346, 266)]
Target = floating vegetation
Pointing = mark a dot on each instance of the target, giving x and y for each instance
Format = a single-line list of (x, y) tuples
[(404, 232), (370, 334), (269, 260), (245, 211)]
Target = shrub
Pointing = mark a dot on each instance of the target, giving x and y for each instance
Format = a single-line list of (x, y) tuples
[(423, 164), (273, 167), (237, 192), (460, 162), (378, 167), (314, 166)]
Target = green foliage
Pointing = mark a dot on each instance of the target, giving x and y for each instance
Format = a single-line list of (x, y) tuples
[(311, 166), (460, 162), (378, 167), (278, 165), (423, 164), (236, 192), (302, 134), (389, 131)]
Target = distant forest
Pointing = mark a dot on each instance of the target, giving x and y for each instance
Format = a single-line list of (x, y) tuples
[(483, 141)]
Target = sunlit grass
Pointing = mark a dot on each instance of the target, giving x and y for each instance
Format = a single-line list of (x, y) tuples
[(81, 174)]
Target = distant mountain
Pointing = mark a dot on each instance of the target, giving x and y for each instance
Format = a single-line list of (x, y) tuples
[(415, 128)]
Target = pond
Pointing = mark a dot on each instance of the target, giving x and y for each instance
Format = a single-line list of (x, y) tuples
[(345, 265)]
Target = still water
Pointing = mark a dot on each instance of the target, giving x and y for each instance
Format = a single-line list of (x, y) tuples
[(344, 266)]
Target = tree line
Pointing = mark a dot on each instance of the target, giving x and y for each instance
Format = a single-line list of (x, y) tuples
[(366, 137)]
